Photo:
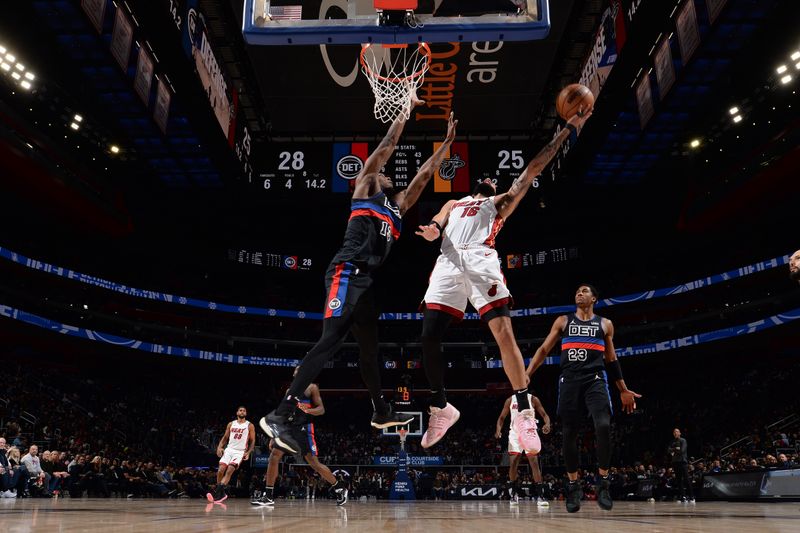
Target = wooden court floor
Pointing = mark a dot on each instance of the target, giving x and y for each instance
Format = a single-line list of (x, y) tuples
[(119, 516)]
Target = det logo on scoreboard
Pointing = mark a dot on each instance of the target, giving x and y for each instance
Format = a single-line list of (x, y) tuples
[(348, 160)]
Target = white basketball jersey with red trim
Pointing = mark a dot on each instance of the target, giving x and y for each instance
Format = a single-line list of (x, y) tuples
[(515, 407), (237, 439), (471, 222)]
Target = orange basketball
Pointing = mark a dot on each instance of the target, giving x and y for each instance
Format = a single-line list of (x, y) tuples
[(572, 98)]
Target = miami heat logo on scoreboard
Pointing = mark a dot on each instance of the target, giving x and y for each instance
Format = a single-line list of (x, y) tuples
[(449, 166), (453, 174)]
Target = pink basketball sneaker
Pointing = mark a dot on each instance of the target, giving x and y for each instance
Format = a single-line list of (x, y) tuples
[(525, 428), (441, 420)]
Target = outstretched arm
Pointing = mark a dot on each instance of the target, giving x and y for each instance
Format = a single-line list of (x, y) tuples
[(508, 201), (628, 397), (251, 441), (433, 229), (407, 198), (367, 180), (502, 418), (548, 344)]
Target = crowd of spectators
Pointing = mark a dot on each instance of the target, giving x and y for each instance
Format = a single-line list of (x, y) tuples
[(137, 434)]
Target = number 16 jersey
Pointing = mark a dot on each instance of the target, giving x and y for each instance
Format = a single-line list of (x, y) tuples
[(472, 222), (583, 346)]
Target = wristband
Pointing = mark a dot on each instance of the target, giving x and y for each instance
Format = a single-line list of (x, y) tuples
[(614, 370), (438, 226), (572, 128)]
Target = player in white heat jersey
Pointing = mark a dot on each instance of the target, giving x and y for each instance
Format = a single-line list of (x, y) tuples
[(514, 451), (468, 269), (240, 437)]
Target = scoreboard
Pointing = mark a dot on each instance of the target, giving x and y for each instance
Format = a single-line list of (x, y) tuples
[(284, 168)]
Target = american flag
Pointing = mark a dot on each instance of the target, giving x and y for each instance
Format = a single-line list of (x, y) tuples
[(285, 12)]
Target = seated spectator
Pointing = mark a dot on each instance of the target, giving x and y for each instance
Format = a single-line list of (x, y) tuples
[(38, 477), (784, 462), (12, 476)]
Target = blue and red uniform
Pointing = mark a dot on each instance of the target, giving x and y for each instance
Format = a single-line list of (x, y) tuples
[(373, 227), (583, 380), (304, 429)]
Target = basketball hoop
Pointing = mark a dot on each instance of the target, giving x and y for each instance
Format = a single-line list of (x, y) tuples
[(395, 72)]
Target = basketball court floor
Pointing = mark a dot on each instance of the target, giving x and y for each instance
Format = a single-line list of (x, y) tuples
[(118, 516)]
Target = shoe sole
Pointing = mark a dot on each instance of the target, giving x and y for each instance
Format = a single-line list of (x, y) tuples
[(604, 507), (458, 416), (343, 501), (391, 424), (261, 504), (265, 427), (209, 497), (222, 499), (271, 434)]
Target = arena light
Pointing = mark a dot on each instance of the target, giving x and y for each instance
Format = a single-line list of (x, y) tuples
[(16, 76), (797, 66), (74, 126), (695, 143), (737, 118), (795, 56), (114, 149), (5, 66), (11, 58), (78, 118), (25, 84), (786, 79), (781, 69), (2, 49), (734, 110), (29, 76)]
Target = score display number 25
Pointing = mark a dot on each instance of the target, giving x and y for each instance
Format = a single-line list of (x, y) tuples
[(295, 161), (512, 160)]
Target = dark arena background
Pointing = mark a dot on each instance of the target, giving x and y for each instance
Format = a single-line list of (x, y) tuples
[(176, 176)]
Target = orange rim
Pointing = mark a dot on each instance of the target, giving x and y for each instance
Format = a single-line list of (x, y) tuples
[(422, 48)]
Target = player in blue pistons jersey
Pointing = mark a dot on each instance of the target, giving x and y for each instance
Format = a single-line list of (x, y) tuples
[(587, 359), (374, 224)]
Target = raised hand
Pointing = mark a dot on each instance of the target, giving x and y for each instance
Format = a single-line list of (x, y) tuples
[(451, 128), (429, 233), (628, 398)]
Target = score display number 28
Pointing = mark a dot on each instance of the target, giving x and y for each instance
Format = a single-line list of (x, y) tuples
[(295, 161)]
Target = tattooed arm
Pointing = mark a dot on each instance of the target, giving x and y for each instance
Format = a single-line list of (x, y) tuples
[(506, 203)]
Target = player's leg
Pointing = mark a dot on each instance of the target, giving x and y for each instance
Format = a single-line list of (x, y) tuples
[(536, 472), (513, 475), (268, 497), (365, 330), (223, 466), (344, 286), (598, 403), (338, 487), (444, 301), (570, 411), (499, 323), (434, 324)]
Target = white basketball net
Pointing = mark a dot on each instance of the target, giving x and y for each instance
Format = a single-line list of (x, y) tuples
[(394, 75)]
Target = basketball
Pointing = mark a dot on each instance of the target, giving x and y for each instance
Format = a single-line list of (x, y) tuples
[(572, 98)]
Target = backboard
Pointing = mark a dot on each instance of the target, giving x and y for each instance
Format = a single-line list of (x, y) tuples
[(309, 22), (415, 427)]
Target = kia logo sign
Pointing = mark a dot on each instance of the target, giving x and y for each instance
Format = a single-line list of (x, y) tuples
[(349, 167)]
